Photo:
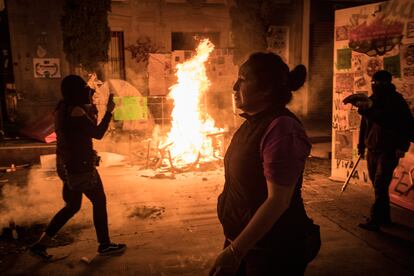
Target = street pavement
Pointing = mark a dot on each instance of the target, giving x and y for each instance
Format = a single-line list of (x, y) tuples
[(171, 228)]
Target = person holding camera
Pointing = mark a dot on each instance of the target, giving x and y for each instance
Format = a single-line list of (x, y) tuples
[(385, 131), (76, 161)]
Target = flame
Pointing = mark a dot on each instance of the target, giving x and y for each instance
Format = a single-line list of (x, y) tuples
[(188, 139)]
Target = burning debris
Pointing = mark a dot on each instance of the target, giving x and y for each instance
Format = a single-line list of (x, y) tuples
[(146, 212), (193, 138)]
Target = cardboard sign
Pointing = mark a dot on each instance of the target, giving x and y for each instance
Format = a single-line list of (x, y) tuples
[(130, 108)]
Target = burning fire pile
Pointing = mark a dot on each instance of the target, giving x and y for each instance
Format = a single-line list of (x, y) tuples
[(193, 137)]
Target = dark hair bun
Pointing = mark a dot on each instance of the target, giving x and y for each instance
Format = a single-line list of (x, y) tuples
[(297, 77)]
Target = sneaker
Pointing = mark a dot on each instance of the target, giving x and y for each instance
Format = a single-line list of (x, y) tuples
[(370, 226), (111, 249), (40, 251)]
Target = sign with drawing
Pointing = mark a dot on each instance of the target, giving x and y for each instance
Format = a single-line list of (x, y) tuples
[(370, 38), (46, 68)]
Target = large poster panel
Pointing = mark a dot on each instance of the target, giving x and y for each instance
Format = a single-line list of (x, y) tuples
[(367, 39)]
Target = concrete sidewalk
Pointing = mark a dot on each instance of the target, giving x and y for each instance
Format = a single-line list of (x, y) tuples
[(171, 227)]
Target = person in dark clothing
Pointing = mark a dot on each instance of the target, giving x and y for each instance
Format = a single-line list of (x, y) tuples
[(76, 161), (385, 131), (266, 228)]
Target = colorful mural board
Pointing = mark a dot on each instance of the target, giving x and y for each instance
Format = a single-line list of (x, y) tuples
[(369, 38)]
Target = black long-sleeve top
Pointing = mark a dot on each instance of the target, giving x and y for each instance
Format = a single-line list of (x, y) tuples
[(75, 129), (387, 125)]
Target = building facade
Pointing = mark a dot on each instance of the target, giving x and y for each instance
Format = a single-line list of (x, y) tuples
[(297, 32)]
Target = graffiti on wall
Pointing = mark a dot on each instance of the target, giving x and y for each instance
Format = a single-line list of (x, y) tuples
[(346, 166), (376, 37), (373, 65), (344, 83), (343, 145), (354, 119), (341, 33), (380, 36), (407, 64), (402, 185)]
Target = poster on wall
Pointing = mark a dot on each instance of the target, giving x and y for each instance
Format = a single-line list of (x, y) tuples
[(367, 39), (343, 144), (159, 67), (278, 41), (46, 68)]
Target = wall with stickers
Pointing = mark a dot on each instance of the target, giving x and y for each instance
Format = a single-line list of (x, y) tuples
[(367, 39)]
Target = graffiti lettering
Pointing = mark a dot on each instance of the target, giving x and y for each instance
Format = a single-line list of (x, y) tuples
[(339, 122), (403, 188), (345, 164), (356, 174), (337, 103)]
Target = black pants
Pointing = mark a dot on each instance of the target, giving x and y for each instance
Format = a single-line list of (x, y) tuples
[(273, 262), (73, 200), (381, 167)]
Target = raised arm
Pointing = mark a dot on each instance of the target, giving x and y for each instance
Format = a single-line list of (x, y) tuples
[(88, 126)]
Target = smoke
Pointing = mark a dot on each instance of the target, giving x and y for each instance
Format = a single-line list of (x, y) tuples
[(33, 202), (38, 200)]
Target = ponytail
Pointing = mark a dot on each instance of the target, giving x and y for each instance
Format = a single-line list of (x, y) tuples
[(297, 77)]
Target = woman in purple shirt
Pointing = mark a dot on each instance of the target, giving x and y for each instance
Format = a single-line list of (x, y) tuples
[(266, 228)]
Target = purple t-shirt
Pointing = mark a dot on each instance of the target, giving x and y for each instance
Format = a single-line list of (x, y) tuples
[(285, 147)]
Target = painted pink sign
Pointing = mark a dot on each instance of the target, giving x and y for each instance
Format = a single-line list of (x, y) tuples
[(402, 188)]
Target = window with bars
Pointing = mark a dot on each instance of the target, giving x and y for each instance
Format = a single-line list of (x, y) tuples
[(116, 56)]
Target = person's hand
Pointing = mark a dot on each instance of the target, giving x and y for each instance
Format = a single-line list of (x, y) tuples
[(399, 153), (359, 100), (226, 264), (357, 97), (110, 106), (364, 104)]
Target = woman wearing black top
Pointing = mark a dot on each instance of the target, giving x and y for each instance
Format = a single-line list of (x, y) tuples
[(76, 125)]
